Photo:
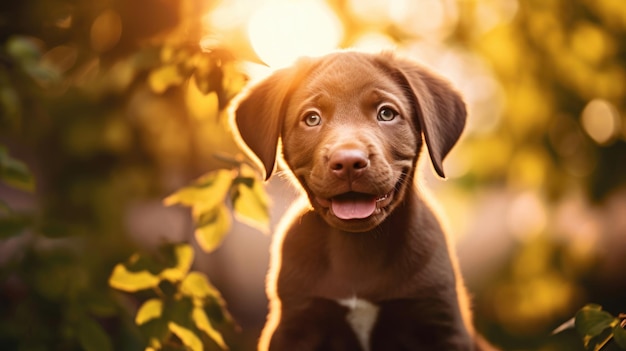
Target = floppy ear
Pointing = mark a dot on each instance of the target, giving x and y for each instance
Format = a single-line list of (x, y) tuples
[(259, 116), (441, 111)]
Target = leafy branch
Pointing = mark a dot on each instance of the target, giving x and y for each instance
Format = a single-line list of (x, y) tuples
[(207, 197), (184, 302), (597, 327), (177, 312)]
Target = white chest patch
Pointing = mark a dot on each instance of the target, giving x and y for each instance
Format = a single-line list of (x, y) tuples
[(361, 317)]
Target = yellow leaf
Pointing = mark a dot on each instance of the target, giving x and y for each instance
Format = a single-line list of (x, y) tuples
[(122, 279), (149, 310), (164, 77), (251, 206), (197, 285), (199, 104), (205, 194), (234, 81), (202, 322), (212, 227), (167, 53), (245, 171), (154, 344), (184, 259), (189, 338)]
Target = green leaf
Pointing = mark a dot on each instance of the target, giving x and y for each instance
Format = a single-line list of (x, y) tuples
[(178, 310), (202, 322), (143, 272), (155, 330), (590, 321), (123, 279), (215, 308), (149, 310), (15, 173), (619, 333), (205, 194), (596, 343), (211, 228), (143, 262), (184, 258), (251, 205), (92, 337), (188, 337)]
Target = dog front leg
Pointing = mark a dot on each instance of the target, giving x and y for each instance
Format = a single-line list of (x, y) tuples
[(420, 324), (313, 325)]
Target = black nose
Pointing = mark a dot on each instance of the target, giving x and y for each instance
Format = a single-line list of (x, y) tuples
[(348, 163)]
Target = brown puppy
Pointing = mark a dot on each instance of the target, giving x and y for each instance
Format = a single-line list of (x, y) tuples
[(363, 264)]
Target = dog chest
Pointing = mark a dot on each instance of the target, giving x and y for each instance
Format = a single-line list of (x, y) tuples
[(361, 317)]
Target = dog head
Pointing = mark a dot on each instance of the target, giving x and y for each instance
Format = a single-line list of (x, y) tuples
[(351, 126)]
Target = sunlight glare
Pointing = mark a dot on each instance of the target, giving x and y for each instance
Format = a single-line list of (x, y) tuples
[(280, 32), (374, 42)]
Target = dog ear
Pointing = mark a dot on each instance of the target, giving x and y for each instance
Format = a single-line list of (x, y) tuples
[(441, 111), (259, 116)]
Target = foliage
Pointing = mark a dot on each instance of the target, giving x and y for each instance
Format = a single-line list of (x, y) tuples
[(597, 327), (186, 309), (108, 106), (207, 196), (184, 304)]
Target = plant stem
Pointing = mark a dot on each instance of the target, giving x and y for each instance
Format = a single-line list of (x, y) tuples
[(601, 345)]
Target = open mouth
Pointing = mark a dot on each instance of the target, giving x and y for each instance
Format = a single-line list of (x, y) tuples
[(354, 205)]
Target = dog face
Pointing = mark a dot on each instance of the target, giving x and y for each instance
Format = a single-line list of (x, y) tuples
[(351, 126), (349, 139)]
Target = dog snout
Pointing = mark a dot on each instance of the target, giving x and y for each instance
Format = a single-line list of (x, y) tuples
[(348, 164)]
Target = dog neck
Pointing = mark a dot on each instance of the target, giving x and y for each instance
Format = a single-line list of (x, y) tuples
[(378, 261)]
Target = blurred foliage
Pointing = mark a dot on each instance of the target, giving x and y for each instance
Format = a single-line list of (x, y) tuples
[(555, 58), (107, 104), (15, 173), (111, 103)]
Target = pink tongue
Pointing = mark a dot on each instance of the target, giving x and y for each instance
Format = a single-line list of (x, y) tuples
[(353, 208)]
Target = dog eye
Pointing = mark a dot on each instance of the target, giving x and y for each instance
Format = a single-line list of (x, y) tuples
[(387, 114), (312, 119)]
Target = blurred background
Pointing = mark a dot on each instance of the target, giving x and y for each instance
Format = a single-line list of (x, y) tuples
[(108, 106)]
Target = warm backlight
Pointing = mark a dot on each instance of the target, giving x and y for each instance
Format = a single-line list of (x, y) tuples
[(282, 31)]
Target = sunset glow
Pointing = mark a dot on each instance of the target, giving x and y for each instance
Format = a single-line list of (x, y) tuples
[(280, 32)]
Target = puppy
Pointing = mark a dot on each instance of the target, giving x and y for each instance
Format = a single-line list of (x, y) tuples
[(363, 264)]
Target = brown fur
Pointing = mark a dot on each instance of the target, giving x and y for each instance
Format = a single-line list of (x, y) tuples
[(398, 258)]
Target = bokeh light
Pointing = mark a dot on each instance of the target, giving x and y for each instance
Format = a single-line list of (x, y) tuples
[(601, 120), (282, 31)]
